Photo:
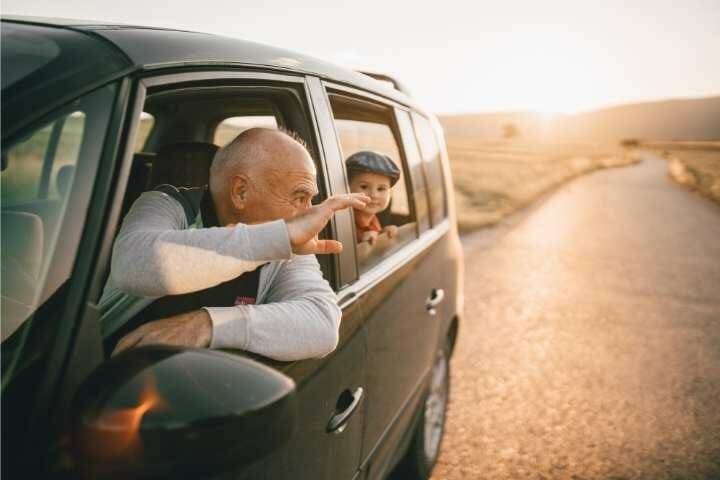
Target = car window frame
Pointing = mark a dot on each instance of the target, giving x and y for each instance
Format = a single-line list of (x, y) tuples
[(393, 123), (173, 80), (354, 284)]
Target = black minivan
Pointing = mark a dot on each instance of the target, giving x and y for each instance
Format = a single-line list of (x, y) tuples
[(95, 114)]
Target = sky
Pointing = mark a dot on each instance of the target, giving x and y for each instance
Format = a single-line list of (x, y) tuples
[(466, 56)]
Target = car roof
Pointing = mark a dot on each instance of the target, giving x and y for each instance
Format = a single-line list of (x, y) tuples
[(149, 48)]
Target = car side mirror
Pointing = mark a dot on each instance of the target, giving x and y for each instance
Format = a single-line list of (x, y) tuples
[(167, 411)]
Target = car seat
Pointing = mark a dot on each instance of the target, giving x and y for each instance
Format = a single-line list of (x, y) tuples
[(184, 164)]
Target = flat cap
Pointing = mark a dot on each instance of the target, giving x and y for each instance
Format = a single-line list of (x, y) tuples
[(373, 162)]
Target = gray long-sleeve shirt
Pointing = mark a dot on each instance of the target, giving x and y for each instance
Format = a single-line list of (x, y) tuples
[(157, 253)]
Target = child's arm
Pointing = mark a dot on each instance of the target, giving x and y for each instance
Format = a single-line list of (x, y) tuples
[(369, 236), (391, 230)]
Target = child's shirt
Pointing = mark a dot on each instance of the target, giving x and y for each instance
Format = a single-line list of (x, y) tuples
[(366, 224)]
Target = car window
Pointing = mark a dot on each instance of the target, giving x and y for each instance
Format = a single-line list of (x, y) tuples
[(417, 173), (46, 177), (35, 165), (201, 108), (234, 126), (367, 127), (430, 150)]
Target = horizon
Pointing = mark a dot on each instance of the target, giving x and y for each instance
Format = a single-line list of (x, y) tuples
[(581, 112), (553, 58)]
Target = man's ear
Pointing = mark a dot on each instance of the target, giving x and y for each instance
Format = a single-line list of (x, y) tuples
[(239, 191)]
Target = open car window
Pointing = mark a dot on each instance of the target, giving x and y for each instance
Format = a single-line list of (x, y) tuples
[(190, 124), (364, 126)]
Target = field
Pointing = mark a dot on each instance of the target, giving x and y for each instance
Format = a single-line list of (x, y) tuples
[(695, 165), (494, 178)]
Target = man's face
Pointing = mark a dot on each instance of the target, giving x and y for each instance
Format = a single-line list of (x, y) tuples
[(281, 188), (375, 186)]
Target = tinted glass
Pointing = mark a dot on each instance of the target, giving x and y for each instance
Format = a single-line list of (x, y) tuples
[(430, 151), (43, 66), (417, 174), (24, 53), (46, 184)]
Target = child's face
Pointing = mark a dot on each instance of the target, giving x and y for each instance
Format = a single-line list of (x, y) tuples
[(375, 186)]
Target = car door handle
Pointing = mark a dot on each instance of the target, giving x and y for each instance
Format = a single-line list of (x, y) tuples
[(436, 296), (347, 404)]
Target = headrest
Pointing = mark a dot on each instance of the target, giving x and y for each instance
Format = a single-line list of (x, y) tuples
[(22, 241), (64, 179), (22, 257), (183, 164)]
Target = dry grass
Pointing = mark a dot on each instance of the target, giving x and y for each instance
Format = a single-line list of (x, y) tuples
[(693, 164), (494, 178)]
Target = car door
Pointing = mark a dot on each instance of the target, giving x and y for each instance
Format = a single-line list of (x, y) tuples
[(401, 336), (327, 436)]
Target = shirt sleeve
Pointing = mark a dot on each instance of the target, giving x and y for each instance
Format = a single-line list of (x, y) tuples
[(299, 319), (155, 254)]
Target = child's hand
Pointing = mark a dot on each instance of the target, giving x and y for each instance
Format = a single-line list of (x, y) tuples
[(370, 237), (391, 230)]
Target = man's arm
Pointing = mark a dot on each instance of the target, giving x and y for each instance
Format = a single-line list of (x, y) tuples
[(301, 320), (298, 319), (156, 255)]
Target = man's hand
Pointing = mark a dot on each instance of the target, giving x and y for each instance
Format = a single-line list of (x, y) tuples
[(192, 329), (304, 228)]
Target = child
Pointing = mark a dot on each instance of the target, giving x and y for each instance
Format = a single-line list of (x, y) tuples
[(373, 174)]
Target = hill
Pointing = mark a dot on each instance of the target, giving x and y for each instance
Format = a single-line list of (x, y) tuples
[(681, 119)]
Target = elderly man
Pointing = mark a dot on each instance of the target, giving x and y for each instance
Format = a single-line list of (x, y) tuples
[(256, 212)]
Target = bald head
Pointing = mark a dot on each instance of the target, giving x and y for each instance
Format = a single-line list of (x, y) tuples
[(260, 173), (254, 151)]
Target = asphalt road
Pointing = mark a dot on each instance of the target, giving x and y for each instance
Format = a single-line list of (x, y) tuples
[(590, 347)]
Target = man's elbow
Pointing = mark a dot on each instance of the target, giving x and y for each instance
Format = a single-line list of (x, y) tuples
[(328, 343), (322, 345), (321, 340), (329, 338), (138, 282)]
